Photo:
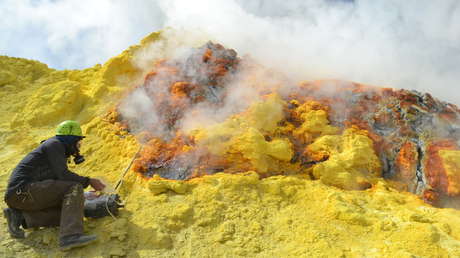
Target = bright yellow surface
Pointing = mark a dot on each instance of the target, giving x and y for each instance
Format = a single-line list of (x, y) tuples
[(222, 215), (451, 161), (241, 138), (314, 121), (351, 163)]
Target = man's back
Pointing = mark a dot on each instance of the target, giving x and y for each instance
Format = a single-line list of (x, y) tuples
[(47, 161)]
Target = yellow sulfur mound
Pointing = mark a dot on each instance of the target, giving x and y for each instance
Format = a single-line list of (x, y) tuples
[(314, 121), (351, 161), (451, 161), (241, 138), (223, 215)]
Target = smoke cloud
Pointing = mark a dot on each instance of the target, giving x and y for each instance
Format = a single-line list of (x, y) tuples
[(404, 44)]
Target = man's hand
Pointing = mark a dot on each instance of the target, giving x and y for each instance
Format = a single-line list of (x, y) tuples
[(96, 184)]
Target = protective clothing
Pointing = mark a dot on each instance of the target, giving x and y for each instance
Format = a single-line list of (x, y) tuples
[(69, 127), (51, 203), (47, 161), (45, 191), (14, 219), (69, 242)]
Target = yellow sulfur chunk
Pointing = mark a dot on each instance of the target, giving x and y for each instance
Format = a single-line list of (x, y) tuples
[(254, 148), (451, 161), (157, 185), (314, 121), (351, 161), (241, 137), (265, 115)]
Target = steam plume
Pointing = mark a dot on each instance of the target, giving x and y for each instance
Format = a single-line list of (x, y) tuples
[(404, 44)]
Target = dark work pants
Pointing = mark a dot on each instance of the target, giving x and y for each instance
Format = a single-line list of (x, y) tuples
[(51, 203)]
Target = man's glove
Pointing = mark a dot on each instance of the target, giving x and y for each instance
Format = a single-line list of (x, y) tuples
[(96, 184)]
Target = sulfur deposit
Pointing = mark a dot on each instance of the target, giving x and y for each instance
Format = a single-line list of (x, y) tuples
[(354, 171)]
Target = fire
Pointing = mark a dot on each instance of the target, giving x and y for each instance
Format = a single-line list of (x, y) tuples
[(406, 165), (342, 133)]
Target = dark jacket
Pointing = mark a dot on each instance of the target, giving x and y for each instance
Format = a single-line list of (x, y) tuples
[(47, 161)]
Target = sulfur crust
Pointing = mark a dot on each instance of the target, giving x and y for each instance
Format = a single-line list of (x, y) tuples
[(451, 161), (222, 215), (240, 139), (352, 162)]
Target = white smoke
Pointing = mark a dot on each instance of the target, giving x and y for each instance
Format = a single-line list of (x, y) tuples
[(173, 44), (403, 44), (242, 87), (140, 111), (241, 91)]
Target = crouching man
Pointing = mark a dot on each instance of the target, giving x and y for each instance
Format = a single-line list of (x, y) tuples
[(42, 192)]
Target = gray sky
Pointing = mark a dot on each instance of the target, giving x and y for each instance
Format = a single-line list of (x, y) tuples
[(413, 44)]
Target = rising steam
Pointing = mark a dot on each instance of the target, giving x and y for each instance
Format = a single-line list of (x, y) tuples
[(403, 44)]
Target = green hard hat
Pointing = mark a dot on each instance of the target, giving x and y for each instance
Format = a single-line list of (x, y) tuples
[(69, 127)]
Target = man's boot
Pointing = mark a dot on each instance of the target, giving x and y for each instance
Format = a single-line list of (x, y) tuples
[(15, 220), (72, 241)]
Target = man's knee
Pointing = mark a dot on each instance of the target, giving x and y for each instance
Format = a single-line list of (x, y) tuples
[(74, 194), (68, 186), (76, 190)]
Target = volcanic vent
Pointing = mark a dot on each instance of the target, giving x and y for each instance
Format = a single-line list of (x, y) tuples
[(345, 134)]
